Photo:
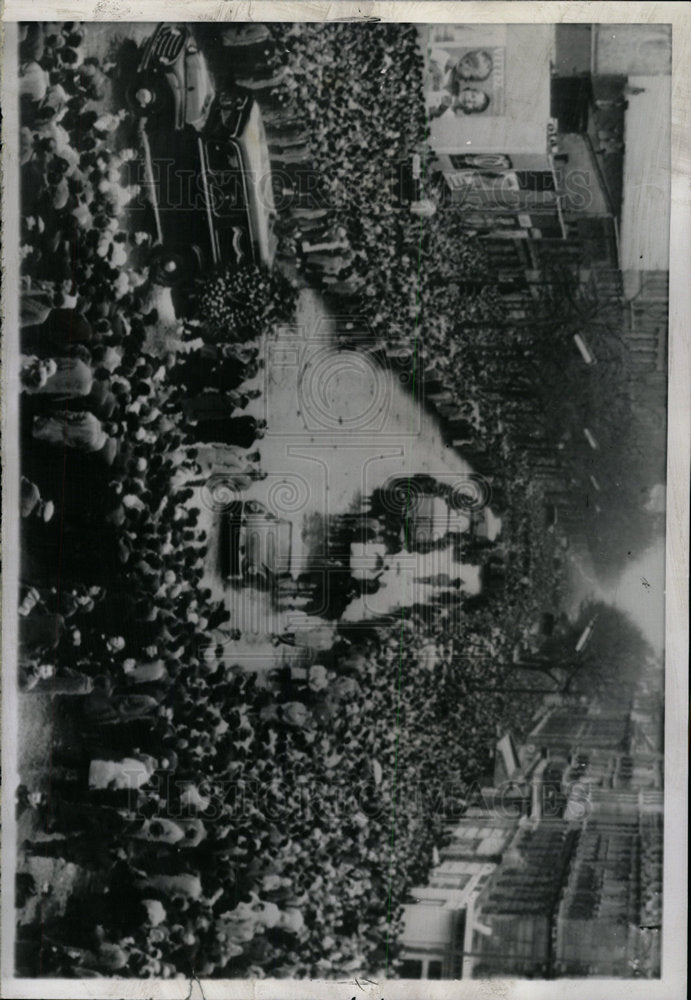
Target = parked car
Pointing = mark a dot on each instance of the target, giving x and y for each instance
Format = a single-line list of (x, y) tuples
[(206, 165), (173, 81), (255, 544)]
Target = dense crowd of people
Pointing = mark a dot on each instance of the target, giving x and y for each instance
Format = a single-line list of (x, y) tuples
[(405, 265), (327, 100), (236, 824), (245, 824), (415, 289)]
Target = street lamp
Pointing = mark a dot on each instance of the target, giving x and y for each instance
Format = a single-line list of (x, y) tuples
[(586, 353), (591, 439), (586, 634)]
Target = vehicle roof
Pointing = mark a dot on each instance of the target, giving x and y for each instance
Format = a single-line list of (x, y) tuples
[(268, 541), (255, 153)]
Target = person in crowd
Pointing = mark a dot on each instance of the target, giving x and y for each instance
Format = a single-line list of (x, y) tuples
[(32, 504), (82, 431), (57, 379)]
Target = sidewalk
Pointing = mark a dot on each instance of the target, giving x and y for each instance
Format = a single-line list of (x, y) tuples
[(606, 130)]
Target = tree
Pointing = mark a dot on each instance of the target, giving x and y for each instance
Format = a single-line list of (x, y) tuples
[(612, 657)]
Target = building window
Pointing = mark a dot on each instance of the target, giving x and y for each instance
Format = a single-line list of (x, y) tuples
[(411, 969), (463, 848), (434, 970), (480, 161), (536, 180), (446, 880), (458, 868)]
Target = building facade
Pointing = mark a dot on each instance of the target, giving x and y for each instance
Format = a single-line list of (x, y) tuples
[(582, 894), (569, 885), (438, 918)]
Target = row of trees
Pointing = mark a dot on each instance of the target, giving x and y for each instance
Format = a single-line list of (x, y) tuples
[(429, 287), (541, 404), (600, 655)]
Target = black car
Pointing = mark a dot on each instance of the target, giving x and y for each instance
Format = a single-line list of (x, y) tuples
[(206, 165)]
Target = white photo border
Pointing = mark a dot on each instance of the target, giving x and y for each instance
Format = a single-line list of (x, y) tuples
[(670, 986)]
